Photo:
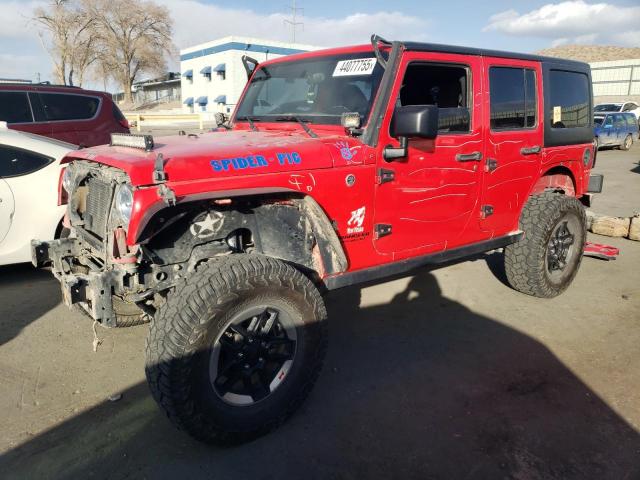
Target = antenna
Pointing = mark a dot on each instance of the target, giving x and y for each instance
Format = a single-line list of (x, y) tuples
[(294, 19)]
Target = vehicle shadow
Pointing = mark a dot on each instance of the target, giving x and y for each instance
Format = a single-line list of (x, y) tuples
[(420, 387), (26, 294), (636, 169)]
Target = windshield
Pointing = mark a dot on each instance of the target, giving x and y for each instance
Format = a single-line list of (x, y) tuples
[(607, 107), (317, 90)]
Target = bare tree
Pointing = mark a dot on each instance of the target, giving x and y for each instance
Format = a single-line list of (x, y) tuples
[(66, 33), (132, 37)]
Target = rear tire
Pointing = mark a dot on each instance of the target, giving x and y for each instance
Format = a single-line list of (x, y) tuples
[(628, 142), (545, 261), (236, 349)]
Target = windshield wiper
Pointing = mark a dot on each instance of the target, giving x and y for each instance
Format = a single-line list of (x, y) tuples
[(250, 120), (295, 118)]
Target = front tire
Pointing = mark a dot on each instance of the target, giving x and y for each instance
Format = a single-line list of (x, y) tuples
[(545, 261), (236, 349)]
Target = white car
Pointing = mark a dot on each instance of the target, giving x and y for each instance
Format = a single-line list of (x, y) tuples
[(30, 171), (630, 107)]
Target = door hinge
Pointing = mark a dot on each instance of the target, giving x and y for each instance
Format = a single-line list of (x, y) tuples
[(486, 211), (385, 175), (491, 165), (382, 230)]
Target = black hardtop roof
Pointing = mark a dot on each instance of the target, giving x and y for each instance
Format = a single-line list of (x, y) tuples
[(436, 47)]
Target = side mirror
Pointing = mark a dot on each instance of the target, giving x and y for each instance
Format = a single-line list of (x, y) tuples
[(409, 122)]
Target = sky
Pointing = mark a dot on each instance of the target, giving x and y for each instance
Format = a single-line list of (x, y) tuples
[(523, 26)]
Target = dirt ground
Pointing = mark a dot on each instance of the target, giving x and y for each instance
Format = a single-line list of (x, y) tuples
[(446, 374)]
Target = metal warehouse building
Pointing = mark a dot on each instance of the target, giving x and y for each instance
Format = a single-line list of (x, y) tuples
[(213, 75)]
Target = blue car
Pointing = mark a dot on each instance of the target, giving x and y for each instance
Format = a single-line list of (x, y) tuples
[(615, 130)]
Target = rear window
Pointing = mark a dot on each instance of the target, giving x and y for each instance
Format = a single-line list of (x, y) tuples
[(14, 107), (570, 98), (60, 106), (15, 162)]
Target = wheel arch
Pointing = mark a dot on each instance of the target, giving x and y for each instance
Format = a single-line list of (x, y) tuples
[(284, 224), (559, 179)]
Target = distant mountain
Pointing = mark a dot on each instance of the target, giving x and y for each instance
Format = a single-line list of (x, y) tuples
[(591, 53)]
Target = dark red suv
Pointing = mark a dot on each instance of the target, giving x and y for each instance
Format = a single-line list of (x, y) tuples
[(72, 114)]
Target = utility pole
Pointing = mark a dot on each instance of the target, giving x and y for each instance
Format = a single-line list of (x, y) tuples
[(294, 19)]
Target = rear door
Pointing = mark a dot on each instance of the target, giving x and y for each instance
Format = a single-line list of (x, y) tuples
[(514, 140), (70, 115), (7, 208)]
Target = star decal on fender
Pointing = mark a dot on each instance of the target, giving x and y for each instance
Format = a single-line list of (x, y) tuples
[(208, 226)]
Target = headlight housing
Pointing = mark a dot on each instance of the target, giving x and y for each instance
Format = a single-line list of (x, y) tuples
[(124, 202), (67, 177)]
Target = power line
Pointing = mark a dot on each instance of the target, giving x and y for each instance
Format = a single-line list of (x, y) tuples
[(294, 19)]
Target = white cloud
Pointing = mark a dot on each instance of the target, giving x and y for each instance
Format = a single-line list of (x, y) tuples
[(572, 22), (16, 18), (196, 22)]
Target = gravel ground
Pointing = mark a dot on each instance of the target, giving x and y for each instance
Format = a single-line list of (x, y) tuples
[(446, 374)]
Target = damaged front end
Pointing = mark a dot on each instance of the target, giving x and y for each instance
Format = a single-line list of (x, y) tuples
[(97, 264)]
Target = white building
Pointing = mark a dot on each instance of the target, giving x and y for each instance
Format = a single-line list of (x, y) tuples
[(616, 78), (213, 75)]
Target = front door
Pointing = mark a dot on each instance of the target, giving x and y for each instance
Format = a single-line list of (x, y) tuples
[(428, 201), (513, 149)]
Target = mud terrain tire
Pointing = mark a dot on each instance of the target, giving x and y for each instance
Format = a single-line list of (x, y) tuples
[(545, 261), (196, 331)]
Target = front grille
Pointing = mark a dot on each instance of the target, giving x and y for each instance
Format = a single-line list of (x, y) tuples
[(99, 197)]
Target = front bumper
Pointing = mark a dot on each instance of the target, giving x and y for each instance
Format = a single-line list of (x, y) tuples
[(91, 291)]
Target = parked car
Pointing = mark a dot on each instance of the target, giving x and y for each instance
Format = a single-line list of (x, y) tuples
[(615, 130), (71, 114), (627, 107), (338, 167), (30, 169)]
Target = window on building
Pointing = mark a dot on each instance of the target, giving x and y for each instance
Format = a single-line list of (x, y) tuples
[(14, 107), (513, 98), (15, 162), (570, 98), (446, 86)]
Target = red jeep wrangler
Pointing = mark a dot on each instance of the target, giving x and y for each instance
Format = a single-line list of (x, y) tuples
[(338, 167)]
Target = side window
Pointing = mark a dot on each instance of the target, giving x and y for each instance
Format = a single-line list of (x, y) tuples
[(14, 107), (15, 162), (618, 121), (609, 121), (570, 97), (446, 86), (513, 98), (59, 106), (631, 120)]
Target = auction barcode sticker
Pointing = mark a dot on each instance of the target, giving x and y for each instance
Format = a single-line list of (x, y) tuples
[(357, 66)]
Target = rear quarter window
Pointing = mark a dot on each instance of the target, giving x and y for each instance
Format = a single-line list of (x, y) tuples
[(570, 96), (15, 162), (60, 106), (14, 107)]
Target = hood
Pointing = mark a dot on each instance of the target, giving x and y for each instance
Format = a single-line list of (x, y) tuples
[(218, 154)]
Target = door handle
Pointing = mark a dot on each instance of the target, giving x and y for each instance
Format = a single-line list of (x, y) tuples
[(530, 150), (469, 157)]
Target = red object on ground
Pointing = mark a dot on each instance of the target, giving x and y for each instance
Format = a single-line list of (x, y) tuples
[(598, 250)]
